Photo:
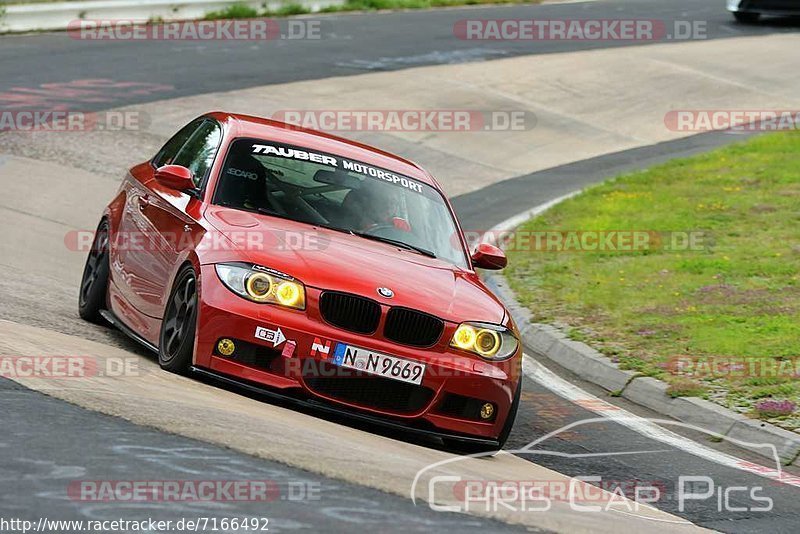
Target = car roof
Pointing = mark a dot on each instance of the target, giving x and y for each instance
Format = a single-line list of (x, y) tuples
[(268, 129)]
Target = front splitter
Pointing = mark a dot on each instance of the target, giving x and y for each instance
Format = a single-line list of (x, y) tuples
[(320, 406)]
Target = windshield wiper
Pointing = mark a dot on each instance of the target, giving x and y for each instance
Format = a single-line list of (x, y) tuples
[(396, 242), (402, 244)]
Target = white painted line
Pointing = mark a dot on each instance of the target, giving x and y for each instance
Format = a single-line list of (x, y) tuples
[(649, 427), (520, 218)]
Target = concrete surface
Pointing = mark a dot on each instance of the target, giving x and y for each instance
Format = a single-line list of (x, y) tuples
[(576, 98), (94, 447), (63, 15), (179, 405)]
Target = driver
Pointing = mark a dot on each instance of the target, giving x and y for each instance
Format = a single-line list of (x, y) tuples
[(371, 205)]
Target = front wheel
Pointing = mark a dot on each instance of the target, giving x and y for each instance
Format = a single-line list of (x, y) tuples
[(94, 282), (176, 342)]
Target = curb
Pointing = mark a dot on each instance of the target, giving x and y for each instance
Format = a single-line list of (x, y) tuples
[(551, 343), (548, 341), (59, 15)]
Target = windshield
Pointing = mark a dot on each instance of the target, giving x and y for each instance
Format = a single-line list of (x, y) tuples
[(339, 193)]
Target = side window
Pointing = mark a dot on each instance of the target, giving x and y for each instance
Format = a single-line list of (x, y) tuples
[(167, 154), (198, 153)]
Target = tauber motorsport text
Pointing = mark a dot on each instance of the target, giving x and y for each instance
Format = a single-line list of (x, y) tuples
[(360, 168)]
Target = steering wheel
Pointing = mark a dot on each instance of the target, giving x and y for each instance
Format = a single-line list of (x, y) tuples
[(374, 229), (273, 203)]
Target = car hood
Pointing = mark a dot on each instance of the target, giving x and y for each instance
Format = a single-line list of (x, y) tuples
[(332, 260)]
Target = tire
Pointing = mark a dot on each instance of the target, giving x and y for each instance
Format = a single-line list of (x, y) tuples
[(94, 282), (746, 18), (466, 447), (176, 341)]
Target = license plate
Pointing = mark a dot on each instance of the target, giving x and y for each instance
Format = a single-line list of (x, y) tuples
[(375, 363)]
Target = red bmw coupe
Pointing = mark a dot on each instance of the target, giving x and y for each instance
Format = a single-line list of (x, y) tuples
[(311, 268)]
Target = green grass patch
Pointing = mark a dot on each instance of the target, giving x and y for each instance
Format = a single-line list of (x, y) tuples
[(685, 388), (244, 11), (372, 5), (290, 9), (736, 296), (234, 11), (12, 2)]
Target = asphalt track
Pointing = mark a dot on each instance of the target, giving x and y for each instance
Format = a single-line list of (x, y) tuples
[(49, 443), (352, 44), (53, 442)]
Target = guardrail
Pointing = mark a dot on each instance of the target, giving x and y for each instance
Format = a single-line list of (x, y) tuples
[(58, 15)]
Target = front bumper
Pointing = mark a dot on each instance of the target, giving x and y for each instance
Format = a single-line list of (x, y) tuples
[(300, 368)]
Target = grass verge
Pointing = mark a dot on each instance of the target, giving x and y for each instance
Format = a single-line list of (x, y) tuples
[(244, 11), (720, 319)]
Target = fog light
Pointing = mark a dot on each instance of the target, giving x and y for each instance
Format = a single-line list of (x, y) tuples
[(225, 346), (487, 410)]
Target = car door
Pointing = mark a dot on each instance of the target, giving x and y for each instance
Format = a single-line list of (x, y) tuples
[(131, 265), (165, 220)]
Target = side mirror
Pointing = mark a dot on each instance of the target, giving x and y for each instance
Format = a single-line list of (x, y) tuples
[(175, 177), (488, 256)]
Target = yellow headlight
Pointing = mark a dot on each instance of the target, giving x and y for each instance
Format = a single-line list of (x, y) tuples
[(259, 286), (289, 293), (487, 342), (465, 336)]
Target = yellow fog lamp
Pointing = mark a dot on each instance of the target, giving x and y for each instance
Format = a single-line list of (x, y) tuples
[(226, 346)]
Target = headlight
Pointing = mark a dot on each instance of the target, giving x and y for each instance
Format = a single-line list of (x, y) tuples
[(260, 284), (489, 341)]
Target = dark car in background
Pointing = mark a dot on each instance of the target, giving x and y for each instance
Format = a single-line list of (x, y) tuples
[(751, 10)]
